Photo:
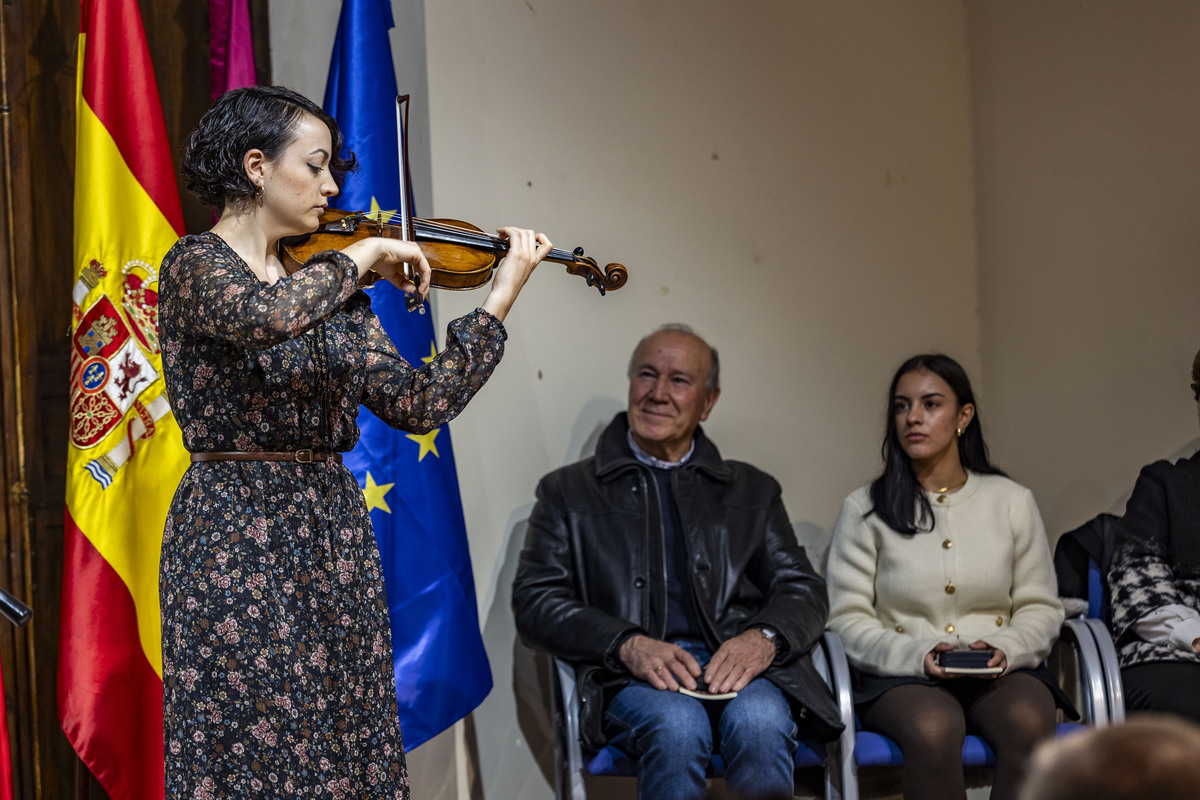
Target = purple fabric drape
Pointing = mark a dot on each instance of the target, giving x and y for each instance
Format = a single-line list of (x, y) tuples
[(231, 49)]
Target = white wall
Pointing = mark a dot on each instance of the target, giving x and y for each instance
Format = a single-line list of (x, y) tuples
[(1087, 132)]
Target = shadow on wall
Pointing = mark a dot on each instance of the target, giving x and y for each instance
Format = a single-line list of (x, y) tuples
[(533, 687), (1187, 451), (502, 754), (1117, 505), (815, 540), (593, 418), (532, 681)]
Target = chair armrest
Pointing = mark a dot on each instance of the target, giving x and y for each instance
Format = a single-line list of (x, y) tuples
[(1076, 634), (837, 675), (570, 754), (1112, 669)]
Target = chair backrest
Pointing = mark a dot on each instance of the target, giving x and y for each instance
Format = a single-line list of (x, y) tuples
[(1097, 592), (1081, 560)]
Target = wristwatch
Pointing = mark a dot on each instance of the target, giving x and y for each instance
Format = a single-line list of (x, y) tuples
[(770, 634)]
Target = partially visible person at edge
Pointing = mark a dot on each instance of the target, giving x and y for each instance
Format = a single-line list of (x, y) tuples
[(1155, 581), (657, 566), (277, 656), (1149, 757), (944, 552)]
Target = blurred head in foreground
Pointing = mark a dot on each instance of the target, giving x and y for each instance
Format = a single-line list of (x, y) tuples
[(1152, 756)]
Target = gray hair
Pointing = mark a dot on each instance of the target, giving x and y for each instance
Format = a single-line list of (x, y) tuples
[(712, 381)]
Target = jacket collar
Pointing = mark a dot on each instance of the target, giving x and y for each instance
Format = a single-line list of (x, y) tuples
[(613, 455)]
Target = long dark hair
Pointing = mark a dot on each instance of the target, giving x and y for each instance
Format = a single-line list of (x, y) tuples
[(898, 498), (257, 117)]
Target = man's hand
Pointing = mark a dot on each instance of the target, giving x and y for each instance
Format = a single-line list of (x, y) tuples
[(658, 663), (739, 661)]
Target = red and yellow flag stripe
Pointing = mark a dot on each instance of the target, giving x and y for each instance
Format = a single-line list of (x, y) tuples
[(126, 454)]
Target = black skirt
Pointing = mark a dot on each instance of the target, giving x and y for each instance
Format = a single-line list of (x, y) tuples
[(868, 688)]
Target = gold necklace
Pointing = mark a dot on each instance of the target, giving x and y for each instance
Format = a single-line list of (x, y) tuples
[(941, 493)]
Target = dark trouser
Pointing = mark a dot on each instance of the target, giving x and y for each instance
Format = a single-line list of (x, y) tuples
[(1166, 686), (1012, 713)]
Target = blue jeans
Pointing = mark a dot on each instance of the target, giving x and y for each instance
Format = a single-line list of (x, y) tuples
[(672, 736)]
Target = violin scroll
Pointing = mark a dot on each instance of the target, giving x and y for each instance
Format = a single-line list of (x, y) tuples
[(614, 276)]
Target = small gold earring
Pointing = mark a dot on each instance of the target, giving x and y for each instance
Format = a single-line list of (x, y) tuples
[(259, 191), (958, 432)]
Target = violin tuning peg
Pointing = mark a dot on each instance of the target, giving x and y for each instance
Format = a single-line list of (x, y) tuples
[(578, 251)]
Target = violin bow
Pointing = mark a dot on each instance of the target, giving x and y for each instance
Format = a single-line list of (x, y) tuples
[(406, 195)]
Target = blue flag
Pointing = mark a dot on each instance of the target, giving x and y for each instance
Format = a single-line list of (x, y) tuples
[(409, 481)]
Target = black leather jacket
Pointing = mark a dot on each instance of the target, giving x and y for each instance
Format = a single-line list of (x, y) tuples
[(592, 571)]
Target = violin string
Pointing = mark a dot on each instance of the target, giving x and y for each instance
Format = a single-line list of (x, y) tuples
[(461, 233), (476, 236)]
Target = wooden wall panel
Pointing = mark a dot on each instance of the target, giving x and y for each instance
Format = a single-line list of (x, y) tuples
[(39, 57), (40, 42)]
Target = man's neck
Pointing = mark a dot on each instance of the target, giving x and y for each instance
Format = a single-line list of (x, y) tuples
[(661, 457)]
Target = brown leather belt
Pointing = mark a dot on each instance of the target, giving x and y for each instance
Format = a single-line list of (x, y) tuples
[(299, 456)]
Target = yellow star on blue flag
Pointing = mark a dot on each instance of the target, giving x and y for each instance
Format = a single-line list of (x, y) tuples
[(425, 440), (374, 494)]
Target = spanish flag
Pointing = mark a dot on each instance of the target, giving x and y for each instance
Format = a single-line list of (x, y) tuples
[(126, 453)]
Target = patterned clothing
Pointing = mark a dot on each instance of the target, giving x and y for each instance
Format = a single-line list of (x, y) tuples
[(1156, 558), (277, 656)]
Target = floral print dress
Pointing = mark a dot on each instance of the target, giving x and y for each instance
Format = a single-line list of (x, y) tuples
[(277, 655)]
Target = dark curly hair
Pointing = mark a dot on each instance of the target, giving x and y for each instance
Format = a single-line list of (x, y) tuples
[(258, 117), (897, 496)]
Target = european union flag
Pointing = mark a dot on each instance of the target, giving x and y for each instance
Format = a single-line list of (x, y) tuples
[(409, 481)]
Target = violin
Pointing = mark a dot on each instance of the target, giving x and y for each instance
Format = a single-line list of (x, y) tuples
[(460, 255)]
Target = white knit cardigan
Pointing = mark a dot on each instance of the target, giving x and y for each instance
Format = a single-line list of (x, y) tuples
[(983, 573)]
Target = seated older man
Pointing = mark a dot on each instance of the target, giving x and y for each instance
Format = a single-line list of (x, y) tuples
[(670, 577)]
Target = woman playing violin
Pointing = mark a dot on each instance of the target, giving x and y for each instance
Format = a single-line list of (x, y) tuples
[(277, 657)]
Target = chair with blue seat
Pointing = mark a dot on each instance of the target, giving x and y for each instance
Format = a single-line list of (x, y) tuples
[(574, 765), (858, 748), (1081, 561)]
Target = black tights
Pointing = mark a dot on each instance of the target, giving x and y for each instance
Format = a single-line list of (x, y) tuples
[(1012, 713)]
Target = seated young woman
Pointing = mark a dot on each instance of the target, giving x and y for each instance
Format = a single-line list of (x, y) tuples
[(944, 553), (1155, 580)]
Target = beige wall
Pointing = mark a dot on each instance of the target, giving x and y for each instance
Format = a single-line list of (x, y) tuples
[(1087, 133), (800, 182)]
